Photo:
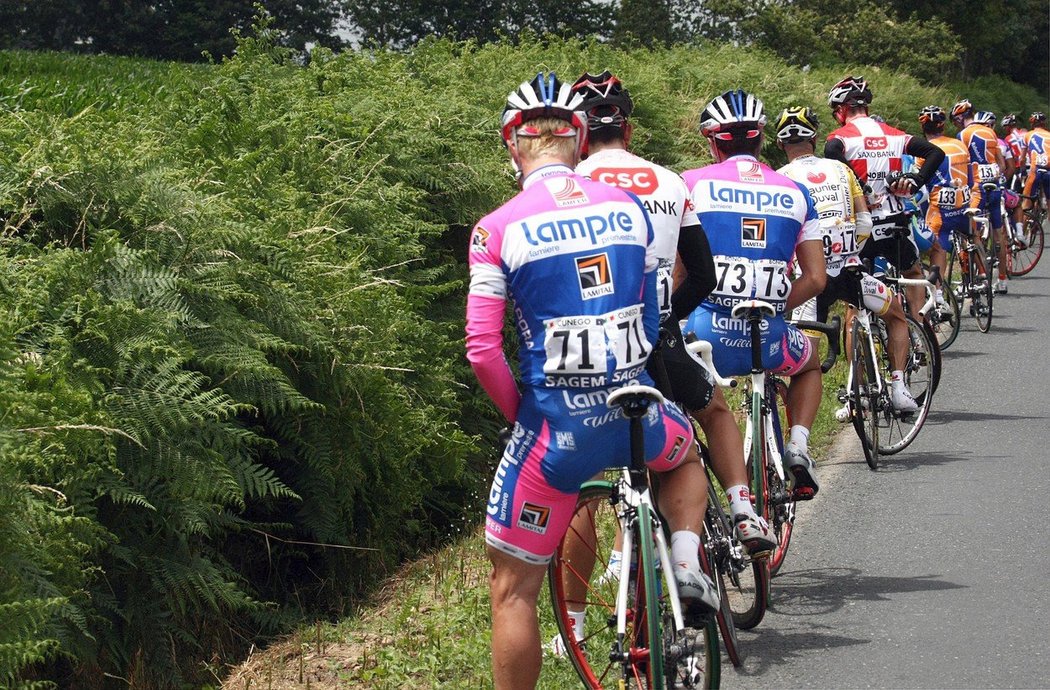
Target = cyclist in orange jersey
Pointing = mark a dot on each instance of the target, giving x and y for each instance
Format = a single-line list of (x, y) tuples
[(987, 165), (1037, 142), (1014, 135)]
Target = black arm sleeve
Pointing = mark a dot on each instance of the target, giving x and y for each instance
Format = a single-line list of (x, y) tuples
[(933, 155), (699, 266), (836, 150)]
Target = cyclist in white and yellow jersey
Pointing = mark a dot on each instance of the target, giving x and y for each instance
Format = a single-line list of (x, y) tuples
[(846, 225)]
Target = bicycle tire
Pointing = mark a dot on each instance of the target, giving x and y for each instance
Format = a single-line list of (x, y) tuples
[(1022, 261), (945, 319), (980, 295), (717, 555), (864, 397), (935, 350), (898, 430), (650, 670), (782, 504)]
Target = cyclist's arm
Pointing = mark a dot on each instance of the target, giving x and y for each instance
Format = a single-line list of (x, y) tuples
[(931, 154), (809, 255), (861, 214), (695, 256)]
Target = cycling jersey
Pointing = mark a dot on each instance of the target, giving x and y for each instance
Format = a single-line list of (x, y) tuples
[(874, 149), (1037, 143), (1008, 153), (835, 192), (754, 218), (664, 196), (983, 146), (950, 190), (578, 260), (1015, 139), (662, 193)]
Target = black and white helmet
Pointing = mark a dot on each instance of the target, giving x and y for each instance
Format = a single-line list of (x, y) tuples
[(733, 115), (851, 91), (605, 101), (984, 117), (544, 96)]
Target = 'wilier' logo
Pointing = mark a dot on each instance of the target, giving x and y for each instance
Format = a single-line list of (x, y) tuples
[(753, 233), (534, 518), (595, 275)]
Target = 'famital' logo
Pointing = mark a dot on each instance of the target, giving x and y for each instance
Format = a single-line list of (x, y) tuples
[(816, 178), (534, 518), (566, 191), (875, 143), (479, 240), (595, 275), (753, 233), (749, 171), (641, 181)]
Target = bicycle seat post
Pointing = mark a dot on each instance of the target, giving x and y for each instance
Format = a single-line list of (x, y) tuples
[(634, 401)]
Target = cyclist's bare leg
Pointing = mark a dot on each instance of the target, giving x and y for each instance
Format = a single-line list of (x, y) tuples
[(515, 588), (897, 328), (1001, 239), (725, 445), (804, 391), (916, 293), (683, 494), (939, 258)]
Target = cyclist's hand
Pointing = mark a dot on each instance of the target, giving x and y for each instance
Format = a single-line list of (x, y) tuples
[(904, 185)]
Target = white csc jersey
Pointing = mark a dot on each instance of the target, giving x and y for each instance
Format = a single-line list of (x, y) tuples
[(662, 193)]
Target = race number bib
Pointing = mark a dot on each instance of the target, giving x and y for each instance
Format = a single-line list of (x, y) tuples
[(1041, 160), (952, 197), (740, 278), (988, 172), (664, 285), (581, 344), (840, 238)]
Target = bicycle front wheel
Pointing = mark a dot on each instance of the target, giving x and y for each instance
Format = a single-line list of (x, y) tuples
[(864, 394), (898, 429), (945, 318), (980, 295), (1024, 258), (781, 504), (718, 553)]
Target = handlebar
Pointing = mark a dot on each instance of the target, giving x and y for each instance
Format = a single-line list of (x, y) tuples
[(831, 332)]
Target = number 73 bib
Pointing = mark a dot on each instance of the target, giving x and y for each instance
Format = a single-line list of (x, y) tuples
[(740, 278)]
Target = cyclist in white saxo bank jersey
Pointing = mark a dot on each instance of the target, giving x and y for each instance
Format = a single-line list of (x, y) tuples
[(874, 151), (846, 225), (756, 220), (577, 260), (676, 229)]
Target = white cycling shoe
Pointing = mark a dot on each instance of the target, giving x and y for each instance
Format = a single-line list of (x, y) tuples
[(696, 592), (901, 398), (754, 533), (801, 473)]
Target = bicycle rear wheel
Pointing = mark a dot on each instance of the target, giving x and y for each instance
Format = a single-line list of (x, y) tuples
[(782, 505), (718, 552), (749, 593), (864, 394), (945, 318), (980, 295), (897, 430), (1023, 260)]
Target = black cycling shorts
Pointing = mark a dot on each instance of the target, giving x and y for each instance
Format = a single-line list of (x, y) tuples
[(899, 250), (683, 379)]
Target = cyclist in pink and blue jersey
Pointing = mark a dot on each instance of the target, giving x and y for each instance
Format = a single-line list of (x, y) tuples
[(576, 258), (757, 220)]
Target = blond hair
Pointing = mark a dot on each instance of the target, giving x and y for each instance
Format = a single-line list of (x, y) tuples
[(546, 144)]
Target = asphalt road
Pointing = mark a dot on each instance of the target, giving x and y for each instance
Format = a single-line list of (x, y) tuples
[(934, 571)]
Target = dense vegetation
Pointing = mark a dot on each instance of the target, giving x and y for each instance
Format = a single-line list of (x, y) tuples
[(232, 385)]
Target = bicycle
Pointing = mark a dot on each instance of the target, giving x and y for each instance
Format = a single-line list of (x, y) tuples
[(975, 283), (881, 428), (635, 633), (1025, 255), (763, 451), (945, 319)]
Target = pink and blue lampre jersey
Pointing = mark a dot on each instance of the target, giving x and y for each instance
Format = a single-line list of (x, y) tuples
[(754, 218), (577, 259)]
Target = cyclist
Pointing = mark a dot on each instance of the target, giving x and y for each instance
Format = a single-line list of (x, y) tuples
[(577, 259), (874, 151), (987, 163), (675, 226), (845, 224), (1037, 144), (756, 220), (950, 187), (1014, 135)]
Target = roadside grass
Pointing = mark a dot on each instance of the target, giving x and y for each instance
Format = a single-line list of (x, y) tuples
[(428, 627)]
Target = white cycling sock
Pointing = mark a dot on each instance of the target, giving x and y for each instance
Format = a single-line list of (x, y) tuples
[(685, 549), (800, 437), (577, 622), (897, 377), (740, 500)]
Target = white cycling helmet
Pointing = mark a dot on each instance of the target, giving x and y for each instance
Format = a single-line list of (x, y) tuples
[(733, 115), (544, 96), (984, 117)]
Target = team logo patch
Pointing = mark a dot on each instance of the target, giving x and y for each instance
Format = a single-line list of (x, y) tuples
[(595, 275), (749, 171), (479, 240), (816, 178), (534, 518), (566, 191), (641, 181), (679, 441), (565, 440), (753, 233), (875, 143)]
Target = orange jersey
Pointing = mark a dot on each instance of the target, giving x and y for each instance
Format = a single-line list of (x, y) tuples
[(950, 186), (985, 157), (1037, 143)]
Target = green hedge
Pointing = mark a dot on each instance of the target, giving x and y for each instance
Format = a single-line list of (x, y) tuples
[(232, 383)]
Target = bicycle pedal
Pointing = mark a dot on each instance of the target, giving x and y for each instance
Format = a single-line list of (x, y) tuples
[(804, 493)]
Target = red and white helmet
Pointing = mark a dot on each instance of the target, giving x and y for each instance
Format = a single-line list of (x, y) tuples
[(963, 108)]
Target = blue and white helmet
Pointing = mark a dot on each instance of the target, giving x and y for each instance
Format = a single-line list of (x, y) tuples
[(544, 96), (733, 115), (984, 117)]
